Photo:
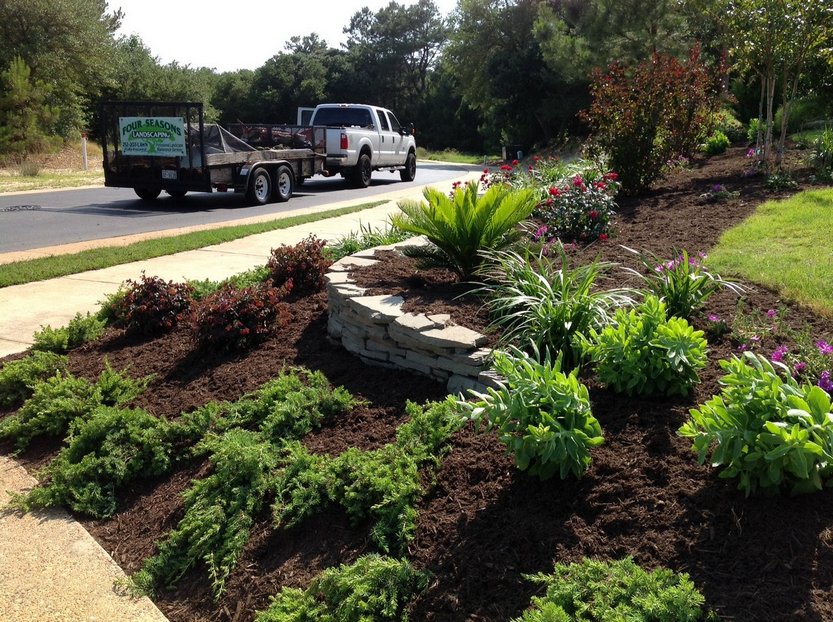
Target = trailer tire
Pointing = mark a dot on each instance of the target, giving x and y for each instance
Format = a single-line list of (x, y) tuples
[(260, 187), (409, 172), (176, 194), (360, 175), (148, 194), (284, 184)]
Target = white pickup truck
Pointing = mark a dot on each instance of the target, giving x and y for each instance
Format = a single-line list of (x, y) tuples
[(362, 139)]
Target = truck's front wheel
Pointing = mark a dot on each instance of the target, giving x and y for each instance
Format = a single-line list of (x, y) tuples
[(361, 174), (260, 187), (284, 184), (409, 172), (148, 194)]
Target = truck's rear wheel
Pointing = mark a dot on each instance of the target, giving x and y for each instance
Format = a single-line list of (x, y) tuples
[(148, 194), (284, 184), (361, 173), (260, 187), (409, 172)]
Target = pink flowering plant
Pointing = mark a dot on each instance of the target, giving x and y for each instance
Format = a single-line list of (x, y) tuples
[(578, 209)]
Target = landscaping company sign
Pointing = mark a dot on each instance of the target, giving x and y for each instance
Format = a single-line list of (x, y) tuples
[(152, 136)]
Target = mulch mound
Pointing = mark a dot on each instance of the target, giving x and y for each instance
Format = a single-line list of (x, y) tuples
[(484, 525)]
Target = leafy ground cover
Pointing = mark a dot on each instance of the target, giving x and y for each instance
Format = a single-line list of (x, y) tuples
[(484, 530)]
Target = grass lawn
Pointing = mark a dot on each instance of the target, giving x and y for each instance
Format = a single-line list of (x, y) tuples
[(784, 245)]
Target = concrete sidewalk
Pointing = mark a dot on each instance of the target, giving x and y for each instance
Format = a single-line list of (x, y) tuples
[(51, 569)]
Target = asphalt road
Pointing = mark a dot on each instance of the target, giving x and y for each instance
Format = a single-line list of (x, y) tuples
[(35, 220)]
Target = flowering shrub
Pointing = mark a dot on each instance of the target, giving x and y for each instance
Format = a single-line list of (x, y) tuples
[(641, 117), (579, 209), (151, 305), (765, 429), (304, 265), (233, 318)]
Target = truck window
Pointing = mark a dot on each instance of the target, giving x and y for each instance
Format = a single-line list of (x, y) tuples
[(383, 120), (394, 124), (343, 117)]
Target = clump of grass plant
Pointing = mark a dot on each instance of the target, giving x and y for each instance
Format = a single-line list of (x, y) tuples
[(19, 378), (602, 591), (464, 224), (372, 588), (366, 237), (544, 301), (79, 330)]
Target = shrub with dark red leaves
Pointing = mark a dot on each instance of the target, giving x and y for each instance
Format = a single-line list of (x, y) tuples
[(642, 117), (304, 264), (152, 306), (236, 318)]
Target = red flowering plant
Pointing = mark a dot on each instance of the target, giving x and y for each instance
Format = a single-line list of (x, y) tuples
[(235, 318), (578, 210)]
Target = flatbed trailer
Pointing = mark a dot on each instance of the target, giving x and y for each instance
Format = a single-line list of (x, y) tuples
[(156, 146)]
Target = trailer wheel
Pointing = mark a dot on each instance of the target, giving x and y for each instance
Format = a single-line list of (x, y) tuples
[(260, 187), (284, 184), (361, 173), (148, 194), (409, 172), (177, 194)]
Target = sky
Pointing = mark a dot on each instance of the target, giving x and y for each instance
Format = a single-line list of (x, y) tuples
[(242, 34)]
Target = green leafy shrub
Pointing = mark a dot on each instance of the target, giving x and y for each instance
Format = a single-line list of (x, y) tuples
[(644, 116), (682, 283), (373, 588), (752, 131), (219, 513), (716, 143), (781, 180), (461, 226), (600, 591), (109, 448), (19, 378), (725, 121), (764, 429), (542, 415), (365, 238), (152, 306), (539, 300), (62, 398), (822, 157), (301, 267), (382, 485), (646, 353), (80, 330), (579, 209), (233, 318)]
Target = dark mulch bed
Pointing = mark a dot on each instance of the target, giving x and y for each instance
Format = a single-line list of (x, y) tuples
[(485, 524)]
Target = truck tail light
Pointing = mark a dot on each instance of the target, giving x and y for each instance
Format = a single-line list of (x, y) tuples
[(344, 144)]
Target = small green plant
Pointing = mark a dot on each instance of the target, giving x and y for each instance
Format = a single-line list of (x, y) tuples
[(301, 266), (80, 330), (538, 300), (781, 180), (233, 318), (460, 227), (764, 429), (601, 591), (151, 306), (682, 283), (542, 415), (19, 378), (752, 131), (644, 352), (372, 589), (365, 238), (62, 398), (382, 485), (716, 143), (219, 513), (109, 448)]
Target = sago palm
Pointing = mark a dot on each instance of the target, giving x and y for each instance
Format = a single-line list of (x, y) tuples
[(462, 225)]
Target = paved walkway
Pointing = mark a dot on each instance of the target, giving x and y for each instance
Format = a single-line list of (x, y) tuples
[(51, 569)]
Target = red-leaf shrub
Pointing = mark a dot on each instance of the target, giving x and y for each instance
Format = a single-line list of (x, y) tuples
[(152, 306), (304, 264), (235, 318), (643, 117)]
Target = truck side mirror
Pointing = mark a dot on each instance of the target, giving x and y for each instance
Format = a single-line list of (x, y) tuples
[(407, 129)]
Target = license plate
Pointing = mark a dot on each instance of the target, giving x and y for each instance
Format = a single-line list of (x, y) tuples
[(166, 174)]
